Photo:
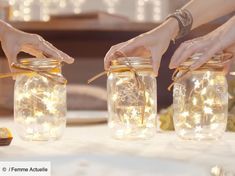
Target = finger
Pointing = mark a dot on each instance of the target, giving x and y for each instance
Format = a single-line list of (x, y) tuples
[(107, 59), (108, 56), (65, 57), (48, 51), (227, 67), (202, 60), (185, 50), (41, 52), (12, 58), (184, 55), (32, 51), (156, 60), (115, 55), (36, 45), (42, 46), (113, 49), (129, 48), (137, 52), (126, 48), (176, 55)]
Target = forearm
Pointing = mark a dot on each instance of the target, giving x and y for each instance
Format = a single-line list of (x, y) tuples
[(226, 33), (221, 39), (202, 11)]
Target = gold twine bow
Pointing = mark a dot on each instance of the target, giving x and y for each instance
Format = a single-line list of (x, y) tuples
[(184, 70), (24, 70), (129, 68)]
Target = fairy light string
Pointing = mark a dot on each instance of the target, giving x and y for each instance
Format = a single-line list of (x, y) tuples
[(128, 68), (200, 97)]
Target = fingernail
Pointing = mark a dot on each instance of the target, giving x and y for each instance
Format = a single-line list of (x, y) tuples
[(71, 60)]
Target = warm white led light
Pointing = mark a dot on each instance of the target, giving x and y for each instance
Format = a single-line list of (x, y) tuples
[(209, 101), (208, 110), (141, 9), (200, 108), (194, 101), (111, 5), (185, 114)]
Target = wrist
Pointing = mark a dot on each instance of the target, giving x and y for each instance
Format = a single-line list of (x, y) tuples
[(172, 26), (225, 33)]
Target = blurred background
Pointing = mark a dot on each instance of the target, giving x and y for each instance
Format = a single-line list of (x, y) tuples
[(135, 10), (86, 29)]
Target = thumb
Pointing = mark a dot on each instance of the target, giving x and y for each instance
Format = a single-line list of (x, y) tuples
[(12, 58), (10, 52), (10, 62), (156, 60)]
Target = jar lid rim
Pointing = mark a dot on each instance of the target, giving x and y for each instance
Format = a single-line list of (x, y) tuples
[(133, 61), (40, 62), (217, 59)]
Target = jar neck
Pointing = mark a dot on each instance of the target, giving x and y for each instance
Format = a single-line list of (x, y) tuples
[(137, 63), (48, 64), (137, 69)]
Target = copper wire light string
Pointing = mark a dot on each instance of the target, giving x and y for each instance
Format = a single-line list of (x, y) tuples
[(129, 68)]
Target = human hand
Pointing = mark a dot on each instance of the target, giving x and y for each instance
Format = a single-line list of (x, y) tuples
[(151, 44), (215, 42), (14, 41), (207, 46)]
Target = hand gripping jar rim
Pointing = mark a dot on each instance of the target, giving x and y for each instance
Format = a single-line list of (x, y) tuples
[(217, 61)]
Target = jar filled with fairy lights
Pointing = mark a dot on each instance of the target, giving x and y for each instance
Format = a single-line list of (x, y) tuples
[(201, 99), (39, 99), (132, 102)]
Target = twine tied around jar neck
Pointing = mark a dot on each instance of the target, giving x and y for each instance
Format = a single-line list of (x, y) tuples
[(217, 62), (128, 68), (24, 70)]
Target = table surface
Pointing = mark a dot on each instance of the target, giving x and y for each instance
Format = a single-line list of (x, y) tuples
[(89, 151)]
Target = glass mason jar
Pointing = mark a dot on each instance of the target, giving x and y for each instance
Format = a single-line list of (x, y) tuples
[(132, 102), (201, 100), (40, 100)]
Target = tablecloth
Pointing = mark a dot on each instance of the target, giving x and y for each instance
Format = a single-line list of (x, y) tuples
[(90, 151)]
